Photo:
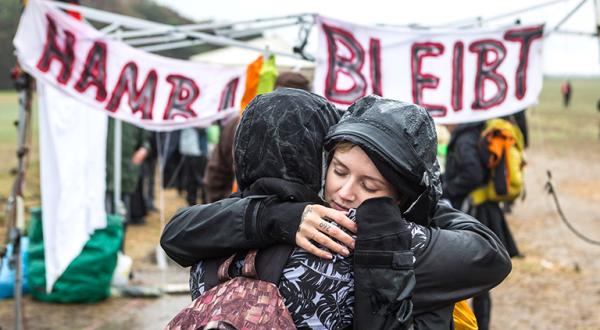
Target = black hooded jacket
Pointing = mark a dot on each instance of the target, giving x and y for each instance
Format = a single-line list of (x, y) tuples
[(403, 136), (400, 139), (465, 170), (461, 257)]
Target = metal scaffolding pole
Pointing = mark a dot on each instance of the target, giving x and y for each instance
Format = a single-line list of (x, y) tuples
[(153, 28)]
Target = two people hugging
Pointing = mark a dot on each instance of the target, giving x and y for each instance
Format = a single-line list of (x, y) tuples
[(302, 168)]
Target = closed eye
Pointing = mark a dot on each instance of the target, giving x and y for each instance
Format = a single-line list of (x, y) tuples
[(368, 189), (339, 173)]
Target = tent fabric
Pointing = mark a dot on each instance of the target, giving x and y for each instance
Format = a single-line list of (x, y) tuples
[(252, 79), (87, 278), (235, 56), (268, 76)]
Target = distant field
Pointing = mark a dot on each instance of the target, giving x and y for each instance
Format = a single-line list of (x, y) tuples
[(553, 127), (8, 147), (8, 113)]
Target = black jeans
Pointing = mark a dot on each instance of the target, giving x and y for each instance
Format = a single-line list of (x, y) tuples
[(148, 176), (193, 176), (482, 308)]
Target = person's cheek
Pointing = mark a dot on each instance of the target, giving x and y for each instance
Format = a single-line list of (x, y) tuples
[(329, 184)]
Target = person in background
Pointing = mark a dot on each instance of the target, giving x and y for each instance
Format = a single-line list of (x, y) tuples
[(598, 108), (149, 173), (520, 119), (193, 146), (219, 176), (134, 149), (566, 90), (465, 172)]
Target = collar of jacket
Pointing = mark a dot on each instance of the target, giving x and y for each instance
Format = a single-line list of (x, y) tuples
[(285, 190), (462, 129)]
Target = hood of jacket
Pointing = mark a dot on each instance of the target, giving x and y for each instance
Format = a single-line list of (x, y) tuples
[(461, 129), (281, 136), (403, 136)]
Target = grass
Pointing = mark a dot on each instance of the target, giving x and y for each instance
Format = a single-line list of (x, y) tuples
[(557, 129), (8, 138), (9, 110)]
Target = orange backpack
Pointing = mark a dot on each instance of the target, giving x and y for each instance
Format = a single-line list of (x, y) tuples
[(501, 147)]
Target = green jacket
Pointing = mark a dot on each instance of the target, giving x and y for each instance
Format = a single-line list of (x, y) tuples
[(133, 138)]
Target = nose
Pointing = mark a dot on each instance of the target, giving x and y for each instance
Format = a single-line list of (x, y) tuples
[(346, 191)]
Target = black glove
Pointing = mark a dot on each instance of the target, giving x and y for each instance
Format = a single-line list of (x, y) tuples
[(383, 267)]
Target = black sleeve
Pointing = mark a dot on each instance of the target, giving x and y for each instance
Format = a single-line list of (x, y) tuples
[(472, 172), (279, 221), (222, 228), (463, 259), (384, 277)]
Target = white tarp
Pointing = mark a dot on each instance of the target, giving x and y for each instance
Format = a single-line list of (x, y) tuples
[(147, 90), (72, 177), (458, 75), (236, 56)]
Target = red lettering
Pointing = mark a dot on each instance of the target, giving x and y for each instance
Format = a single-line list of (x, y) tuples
[(420, 80), (184, 92), (375, 57), (94, 71), (337, 64), (457, 76), (486, 70), (228, 95), (52, 51), (142, 99), (525, 37)]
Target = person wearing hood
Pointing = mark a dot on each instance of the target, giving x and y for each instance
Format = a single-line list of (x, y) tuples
[(267, 213), (219, 175), (465, 172)]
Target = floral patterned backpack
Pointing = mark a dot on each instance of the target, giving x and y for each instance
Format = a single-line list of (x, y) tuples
[(243, 302)]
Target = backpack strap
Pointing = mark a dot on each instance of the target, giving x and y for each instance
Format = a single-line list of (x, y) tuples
[(249, 269), (271, 261), (267, 265), (223, 272)]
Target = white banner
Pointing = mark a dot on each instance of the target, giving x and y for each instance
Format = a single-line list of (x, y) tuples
[(147, 90), (72, 177), (458, 75)]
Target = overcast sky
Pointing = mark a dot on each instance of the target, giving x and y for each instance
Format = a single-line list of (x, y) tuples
[(563, 55)]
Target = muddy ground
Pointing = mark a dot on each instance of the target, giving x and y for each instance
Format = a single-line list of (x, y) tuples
[(557, 284)]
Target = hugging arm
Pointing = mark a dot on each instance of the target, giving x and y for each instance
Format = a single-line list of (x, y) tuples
[(235, 224), (384, 276), (462, 259), (209, 231)]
